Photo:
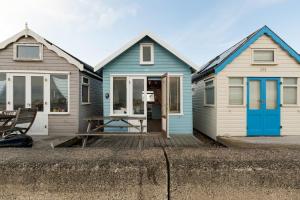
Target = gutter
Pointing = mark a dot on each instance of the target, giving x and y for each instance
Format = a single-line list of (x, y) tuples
[(93, 74)]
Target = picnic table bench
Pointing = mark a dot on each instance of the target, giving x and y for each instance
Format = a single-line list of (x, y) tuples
[(6, 118), (106, 122)]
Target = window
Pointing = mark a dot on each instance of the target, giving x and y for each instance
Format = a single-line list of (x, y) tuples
[(85, 90), (263, 56), (37, 92), (146, 54), (119, 95), (59, 92), (290, 91), (138, 104), (2, 91), (236, 91), (209, 97), (175, 95), (28, 52)]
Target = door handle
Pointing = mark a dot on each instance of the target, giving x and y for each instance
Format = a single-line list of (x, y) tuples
[(8, 103), (46, 103)]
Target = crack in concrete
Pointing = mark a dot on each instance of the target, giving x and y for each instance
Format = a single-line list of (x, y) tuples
[(168, 194)]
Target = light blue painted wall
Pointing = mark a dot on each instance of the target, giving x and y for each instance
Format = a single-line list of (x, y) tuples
[(164, 61)]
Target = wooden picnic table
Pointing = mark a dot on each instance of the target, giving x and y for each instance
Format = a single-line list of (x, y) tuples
[(101, 123)]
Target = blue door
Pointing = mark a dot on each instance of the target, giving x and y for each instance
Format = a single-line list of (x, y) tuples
[(263, 107)]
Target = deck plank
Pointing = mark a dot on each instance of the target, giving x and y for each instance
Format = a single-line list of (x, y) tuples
[(146, 141)]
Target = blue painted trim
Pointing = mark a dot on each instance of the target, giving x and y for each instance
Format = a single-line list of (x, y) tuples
[(267, 31)]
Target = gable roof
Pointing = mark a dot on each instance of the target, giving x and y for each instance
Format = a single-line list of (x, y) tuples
[(136, 40), (217, 64), (82, 66)]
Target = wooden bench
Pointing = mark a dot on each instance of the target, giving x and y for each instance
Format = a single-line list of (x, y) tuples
[(23, 116)]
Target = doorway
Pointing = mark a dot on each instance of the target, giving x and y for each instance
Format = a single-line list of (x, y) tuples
[(29, 91), (263, 107), (154, 102)]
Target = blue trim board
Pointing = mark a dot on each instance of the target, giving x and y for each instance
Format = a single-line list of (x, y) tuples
[(267, 31)]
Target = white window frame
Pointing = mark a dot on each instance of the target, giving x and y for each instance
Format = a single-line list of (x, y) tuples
[(128, 77), (282, 97), (181, 95), (111, 94), (129, 104), (263, 63), (244, 91), (214, 85), (15, 46), (89, 93), (60, 113), (151, 62)]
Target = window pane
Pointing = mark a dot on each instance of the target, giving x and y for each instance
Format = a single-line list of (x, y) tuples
[(210, 95), (37, 92), (290, 95), (146, 53), (236, 81), (19, 92), (209, 83), (28, 52), (271, 94), (263, 56), (290, 81), (236, 95), (59, 93), (254, 87), (119, 95), (174, 94), (2, 91), (137, 96), (85, 80), (85, 93)]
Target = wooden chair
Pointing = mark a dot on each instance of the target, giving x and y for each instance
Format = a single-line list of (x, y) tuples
[(22, 123)]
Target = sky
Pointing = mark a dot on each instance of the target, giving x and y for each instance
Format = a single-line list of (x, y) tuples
[(199, 29)]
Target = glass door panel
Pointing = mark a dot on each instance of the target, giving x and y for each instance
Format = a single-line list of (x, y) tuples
[(2, 91), (138, 103), (37, 92), (255, 98), (271, 94), (19, 92)]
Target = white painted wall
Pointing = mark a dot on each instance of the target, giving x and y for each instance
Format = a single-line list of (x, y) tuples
[(204, 117), (231, 121)]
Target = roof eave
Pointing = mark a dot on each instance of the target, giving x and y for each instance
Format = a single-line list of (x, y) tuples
[(202, 75), (27, 32)]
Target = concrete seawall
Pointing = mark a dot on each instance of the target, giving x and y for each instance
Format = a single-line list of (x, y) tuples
[(82, 174), (234, 174), (196, 173)]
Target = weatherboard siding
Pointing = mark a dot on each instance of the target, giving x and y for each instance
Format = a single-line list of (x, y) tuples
[(204, 117), (59, 124), (129, 63), (94, 108), (232, 121)]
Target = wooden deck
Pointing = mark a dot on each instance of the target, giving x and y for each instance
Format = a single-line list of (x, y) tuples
[(146, 141)]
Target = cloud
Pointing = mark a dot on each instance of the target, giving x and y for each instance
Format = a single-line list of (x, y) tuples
[(64, 13)]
